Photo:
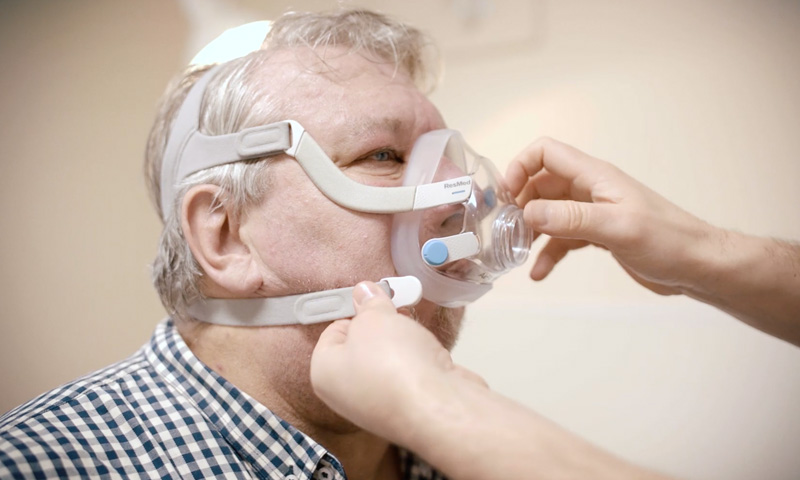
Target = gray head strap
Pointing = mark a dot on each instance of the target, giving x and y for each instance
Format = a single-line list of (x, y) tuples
[(308, 308), (189, 151)]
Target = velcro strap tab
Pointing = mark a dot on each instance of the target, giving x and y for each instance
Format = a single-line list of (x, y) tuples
[(264, 140), (328, 305)]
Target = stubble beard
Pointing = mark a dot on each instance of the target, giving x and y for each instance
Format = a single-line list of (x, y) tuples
[(445, 324)]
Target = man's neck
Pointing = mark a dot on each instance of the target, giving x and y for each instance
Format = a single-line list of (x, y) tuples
[(271, 364)]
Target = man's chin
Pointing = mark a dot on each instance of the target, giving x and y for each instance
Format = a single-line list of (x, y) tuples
[(444, 323)]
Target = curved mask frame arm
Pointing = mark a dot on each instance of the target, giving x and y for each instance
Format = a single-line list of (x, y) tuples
[(189, 151)]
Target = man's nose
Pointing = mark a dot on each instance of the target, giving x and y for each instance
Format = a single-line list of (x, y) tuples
[(448, 169)]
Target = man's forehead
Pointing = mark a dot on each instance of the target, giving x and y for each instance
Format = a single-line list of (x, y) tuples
[(373, 126), (391, 127), (344, 95), (306, 74)]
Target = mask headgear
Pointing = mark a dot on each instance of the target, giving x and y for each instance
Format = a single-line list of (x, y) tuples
[(456, 227)]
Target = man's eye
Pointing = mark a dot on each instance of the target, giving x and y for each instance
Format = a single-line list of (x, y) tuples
[(385, 163), (386, 156)]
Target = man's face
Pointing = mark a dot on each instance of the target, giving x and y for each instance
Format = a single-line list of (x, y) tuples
[(366, 117)]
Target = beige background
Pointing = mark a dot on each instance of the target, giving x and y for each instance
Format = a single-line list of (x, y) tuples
[(699, 100)]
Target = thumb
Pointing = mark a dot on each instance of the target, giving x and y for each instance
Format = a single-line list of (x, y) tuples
[(327, 357), (335, 334), (368, 296), (570, 219)]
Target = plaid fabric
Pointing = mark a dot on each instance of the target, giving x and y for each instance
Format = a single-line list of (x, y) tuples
[(162, 414)]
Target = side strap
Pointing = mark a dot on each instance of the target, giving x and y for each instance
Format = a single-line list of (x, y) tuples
[(305, 309)]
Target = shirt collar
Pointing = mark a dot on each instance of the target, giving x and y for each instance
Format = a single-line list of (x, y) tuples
[(272, 447)]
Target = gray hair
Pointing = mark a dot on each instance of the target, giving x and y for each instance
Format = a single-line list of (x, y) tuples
[(235, 100)]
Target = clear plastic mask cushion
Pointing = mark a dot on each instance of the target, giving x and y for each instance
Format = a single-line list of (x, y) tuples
[(457, 251)]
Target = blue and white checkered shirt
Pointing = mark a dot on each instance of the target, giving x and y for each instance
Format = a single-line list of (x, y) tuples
[(162, 414)]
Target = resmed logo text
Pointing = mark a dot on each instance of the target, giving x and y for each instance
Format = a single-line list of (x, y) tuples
[(460, 183)]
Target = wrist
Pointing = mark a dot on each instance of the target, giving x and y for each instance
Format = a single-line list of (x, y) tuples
[(709, 259), (729, 267), (432, 407)]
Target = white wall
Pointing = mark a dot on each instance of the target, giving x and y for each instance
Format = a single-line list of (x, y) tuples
[(699, 100)]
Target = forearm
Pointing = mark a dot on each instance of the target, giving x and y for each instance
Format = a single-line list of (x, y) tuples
[(757, 280), (471, 433)]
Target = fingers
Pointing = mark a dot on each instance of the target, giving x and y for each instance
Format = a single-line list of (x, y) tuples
[(547, 154), (552, 253), (369, 297), (325, 360), (517, 177), (593, 222), (543, 185), (334, 334)]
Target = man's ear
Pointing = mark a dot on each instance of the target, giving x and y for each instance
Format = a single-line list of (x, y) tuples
[(212, 232)]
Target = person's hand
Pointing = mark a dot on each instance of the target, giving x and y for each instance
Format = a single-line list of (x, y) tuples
[(390, 376), (579, 200), (380, 368)]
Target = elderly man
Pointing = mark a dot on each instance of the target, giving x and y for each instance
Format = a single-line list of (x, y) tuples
[(282, 181)]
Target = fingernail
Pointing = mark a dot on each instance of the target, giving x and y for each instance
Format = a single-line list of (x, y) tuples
[(364, 291)]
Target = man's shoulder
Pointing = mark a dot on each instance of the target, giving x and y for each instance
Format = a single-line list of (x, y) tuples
[(79, 395), (142, 417), (87, 427)]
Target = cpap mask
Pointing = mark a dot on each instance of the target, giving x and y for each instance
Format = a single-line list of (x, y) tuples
[(457, 250), (456, 227)]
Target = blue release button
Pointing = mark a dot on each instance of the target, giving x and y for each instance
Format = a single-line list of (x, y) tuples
[(434, 252), (490, 198)]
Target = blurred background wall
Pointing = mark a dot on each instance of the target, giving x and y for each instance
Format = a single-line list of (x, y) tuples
[(699, 100)]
